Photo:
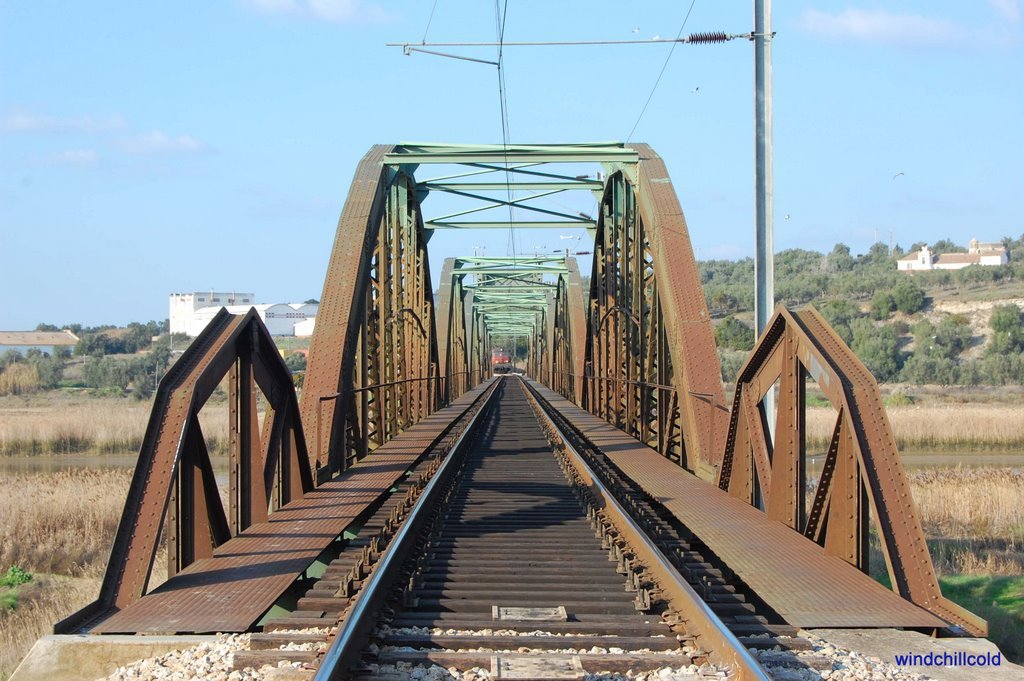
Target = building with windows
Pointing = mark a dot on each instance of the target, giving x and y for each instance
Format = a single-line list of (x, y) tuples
[(191, 312), (987, 254)]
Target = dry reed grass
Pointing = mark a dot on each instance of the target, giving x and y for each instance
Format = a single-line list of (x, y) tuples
[(937, 426), (63, 522), (101, 425), (973, 517), (43, 601), (60, 527), (18, 379), (95, 425)]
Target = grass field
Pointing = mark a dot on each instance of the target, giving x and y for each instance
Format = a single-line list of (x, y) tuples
[(938, 426), (41, 602), (54, 424), (58, 527), (974, 523), (44, 425)]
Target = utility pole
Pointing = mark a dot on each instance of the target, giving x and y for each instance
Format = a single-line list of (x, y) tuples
[(764, 239), (764, 255)]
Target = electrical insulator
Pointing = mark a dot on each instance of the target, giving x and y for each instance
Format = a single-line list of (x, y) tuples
[(709, 37)]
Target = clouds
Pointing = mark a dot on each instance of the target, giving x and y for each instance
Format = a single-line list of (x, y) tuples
[(79, 141), (334, 11), (69, 157), (879, 26), (1008, 10), (24, 121), (157, 142)]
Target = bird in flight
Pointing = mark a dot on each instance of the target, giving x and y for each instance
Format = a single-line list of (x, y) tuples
[(696, 89), (897, 175)]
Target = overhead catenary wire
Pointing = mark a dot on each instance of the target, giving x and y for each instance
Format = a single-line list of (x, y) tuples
[(662, 72), (500, 15), (430, 19), (692, 39), (500, 18)]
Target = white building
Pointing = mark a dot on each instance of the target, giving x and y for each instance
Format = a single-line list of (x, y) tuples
[(987, 254), (191, 312), (304, 329)]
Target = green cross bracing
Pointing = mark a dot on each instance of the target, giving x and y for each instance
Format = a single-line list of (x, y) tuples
[(503, 178), (498, 187), (509, 294)]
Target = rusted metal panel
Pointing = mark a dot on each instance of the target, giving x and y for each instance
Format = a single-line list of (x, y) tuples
[(884, 481), (861, 472), (373, 368), (196, 518), (451, 332), (577, 326), (687, 321), (650, 360), (174, 465), (785, 501), (568, 335), (332, 349), (791, 573), (232, 589), (445, 295)]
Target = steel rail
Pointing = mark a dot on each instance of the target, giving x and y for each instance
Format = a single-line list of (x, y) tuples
[(725, 648), (346, 643)]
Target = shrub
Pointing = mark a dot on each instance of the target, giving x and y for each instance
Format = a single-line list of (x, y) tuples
[(295, 362), (908, 296), (877, 347), (731, 362), (15, 576), (1007, 332), (839, 314), (923, 368), (882, 305), (946, 341), (733, 334)]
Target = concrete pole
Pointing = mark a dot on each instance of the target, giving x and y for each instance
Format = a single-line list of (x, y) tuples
[(764, 238), (764, 256)]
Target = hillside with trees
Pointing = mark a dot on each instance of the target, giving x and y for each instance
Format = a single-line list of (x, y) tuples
[(947, 327), (106, 359)]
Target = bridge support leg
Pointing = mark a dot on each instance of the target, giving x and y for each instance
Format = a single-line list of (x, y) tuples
[(196, 522)]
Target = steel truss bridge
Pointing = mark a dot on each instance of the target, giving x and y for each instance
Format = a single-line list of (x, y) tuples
[(626, 370)]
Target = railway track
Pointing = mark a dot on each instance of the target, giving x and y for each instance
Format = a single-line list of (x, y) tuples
[(521, 555)]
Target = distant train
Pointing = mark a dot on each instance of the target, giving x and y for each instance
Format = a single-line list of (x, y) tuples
[(501, 363)]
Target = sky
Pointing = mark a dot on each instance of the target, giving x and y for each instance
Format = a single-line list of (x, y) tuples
[(149, 148)]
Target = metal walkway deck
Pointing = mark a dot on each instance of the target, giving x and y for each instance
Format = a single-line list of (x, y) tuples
[(231, 591), (788, 571)]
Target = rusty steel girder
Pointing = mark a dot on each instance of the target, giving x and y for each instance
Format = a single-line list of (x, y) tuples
[(538, 358), (548, 339), (453, 352), (861, 478), (568, 335), (479, 343), (651, 367), (373, 364), (174, 477)]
